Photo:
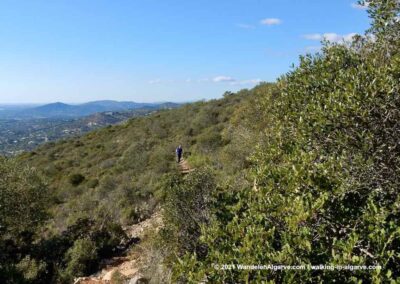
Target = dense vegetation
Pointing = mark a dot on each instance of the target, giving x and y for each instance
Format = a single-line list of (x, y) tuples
[(301, 172), (327, 172)]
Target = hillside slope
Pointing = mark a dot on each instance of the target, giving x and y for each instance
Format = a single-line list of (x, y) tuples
[(122, 165), (115, 176)]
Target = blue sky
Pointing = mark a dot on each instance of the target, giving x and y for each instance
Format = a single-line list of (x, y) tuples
[(158, 50)]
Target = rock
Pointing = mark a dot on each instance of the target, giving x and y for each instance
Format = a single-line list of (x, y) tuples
[(108, 275)]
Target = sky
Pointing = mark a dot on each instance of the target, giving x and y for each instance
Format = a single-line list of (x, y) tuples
[(159, 50)]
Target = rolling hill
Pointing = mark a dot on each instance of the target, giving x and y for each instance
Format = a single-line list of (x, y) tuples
[(62, 110)]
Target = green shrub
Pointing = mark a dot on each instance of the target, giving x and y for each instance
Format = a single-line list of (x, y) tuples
[(76, 179), (186, 209), (92, 183), (81, 259), (31, 269), (24, 199), (209, 140)]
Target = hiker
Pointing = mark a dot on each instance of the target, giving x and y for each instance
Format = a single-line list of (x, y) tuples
[(179, 153)]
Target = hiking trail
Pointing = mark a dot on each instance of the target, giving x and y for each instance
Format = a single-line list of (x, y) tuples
[(128, 263), (185, 167)]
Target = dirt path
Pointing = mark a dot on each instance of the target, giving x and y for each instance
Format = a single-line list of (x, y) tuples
[(127, 266), (185, 167)]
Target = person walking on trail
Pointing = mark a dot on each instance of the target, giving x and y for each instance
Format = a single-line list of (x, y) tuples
[(179, 151)]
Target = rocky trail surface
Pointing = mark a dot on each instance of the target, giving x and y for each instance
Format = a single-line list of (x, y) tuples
[(126, 266)]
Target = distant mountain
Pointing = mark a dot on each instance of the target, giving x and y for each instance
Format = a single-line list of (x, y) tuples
[(18, 135), (62, 110), (51, 110)]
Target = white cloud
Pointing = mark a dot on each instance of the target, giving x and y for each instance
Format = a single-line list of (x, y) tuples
[(332, 37), (360, 7), (223, 79), (245, 26), (271, 21)]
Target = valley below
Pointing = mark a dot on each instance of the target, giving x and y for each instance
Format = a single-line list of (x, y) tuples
[(19, 133)]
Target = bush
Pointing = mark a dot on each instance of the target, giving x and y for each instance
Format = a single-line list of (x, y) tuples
[(76, 179), (93, 183), (187, 209), (24, 199), (81, 259), (31, 269)]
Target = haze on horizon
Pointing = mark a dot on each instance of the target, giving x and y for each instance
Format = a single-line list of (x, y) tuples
[(150, 51)]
